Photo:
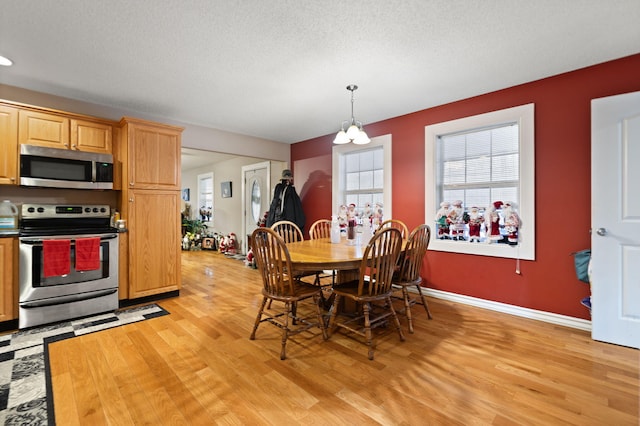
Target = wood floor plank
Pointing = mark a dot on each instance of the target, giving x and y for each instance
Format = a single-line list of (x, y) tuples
[(465, 366), (115, 407)]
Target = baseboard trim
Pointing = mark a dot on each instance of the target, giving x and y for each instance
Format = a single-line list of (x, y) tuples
[(125, 303), (549, 317)]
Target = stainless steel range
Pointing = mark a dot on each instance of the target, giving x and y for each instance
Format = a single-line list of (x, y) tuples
[(55, 240)]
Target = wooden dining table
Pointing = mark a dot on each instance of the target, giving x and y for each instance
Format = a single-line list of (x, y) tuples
[(320, 254)]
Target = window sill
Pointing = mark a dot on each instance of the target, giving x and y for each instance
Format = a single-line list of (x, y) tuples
[(482, 249)]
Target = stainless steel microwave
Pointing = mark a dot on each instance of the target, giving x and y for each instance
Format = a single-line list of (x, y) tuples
[(64, 168)]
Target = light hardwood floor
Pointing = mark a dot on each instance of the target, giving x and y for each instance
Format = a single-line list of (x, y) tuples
[(466, 366)]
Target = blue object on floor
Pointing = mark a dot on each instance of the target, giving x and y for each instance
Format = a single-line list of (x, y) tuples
[(586, 302)]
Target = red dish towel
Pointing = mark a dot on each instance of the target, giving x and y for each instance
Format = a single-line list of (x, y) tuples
[(56, 257), (87, 254)]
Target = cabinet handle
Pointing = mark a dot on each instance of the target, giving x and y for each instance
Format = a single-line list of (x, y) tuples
[(131, 200), (74, 146), (130, 183), (12, 179)]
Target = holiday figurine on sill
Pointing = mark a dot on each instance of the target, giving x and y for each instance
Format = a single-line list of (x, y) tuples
[(475, 224), (367, 213), (457, 218), (492, 222), (351, 212), (343, 218), (378, 214), (511, 222), (441, 220)]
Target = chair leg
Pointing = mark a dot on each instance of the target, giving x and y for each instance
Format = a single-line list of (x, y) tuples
[(395, 319), (285, 329), (317, 301), (407, 307), (258, 318), (334, 314), (424, 302), (366, 307), (321, 299)]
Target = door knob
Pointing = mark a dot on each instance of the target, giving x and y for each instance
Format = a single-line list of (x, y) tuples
[(601, 231)]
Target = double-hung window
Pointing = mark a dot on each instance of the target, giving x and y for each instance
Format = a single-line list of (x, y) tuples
[(482, 161), (205, 197), (363, 175)]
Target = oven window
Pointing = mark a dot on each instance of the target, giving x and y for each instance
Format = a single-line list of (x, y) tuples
[(74, 277)]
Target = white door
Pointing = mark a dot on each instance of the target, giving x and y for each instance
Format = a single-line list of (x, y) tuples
[(256, 197), (615, 219)]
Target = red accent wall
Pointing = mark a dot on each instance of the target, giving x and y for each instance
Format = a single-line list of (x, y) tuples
[(563, 185)]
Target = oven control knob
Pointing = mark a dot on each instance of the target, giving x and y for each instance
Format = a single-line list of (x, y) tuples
[(87, 210), (40, 209), (31, 209), (103, 210)]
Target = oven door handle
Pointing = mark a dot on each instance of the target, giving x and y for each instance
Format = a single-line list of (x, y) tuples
[(38, 241), (67, 299)]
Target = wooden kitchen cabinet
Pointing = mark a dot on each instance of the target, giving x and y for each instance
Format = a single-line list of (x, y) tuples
[(91, 136), (42, 129), (154, 242), (150, 203), (8, 279), (153, 152), (64, 132), (8, 145)]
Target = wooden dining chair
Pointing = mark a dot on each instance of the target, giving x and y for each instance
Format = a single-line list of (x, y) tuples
[(274, 265), (410, 267), (395, 223), (288, 231), (321, 228), (373, 285)]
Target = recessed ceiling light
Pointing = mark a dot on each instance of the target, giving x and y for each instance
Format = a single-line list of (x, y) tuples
[(5, 61)]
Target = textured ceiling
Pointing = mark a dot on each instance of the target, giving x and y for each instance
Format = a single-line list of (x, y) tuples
[(278, 69)]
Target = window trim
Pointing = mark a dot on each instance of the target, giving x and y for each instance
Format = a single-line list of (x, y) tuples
[(337, 186), (524, 115)]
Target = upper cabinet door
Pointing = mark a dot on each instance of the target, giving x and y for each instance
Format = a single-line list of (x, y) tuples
[(154, 156), (91, 136), (8, 145), (37, 128)]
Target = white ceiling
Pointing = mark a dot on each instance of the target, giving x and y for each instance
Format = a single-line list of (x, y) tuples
[(278, 69)]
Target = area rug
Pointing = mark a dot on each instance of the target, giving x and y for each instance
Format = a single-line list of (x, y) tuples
[(25, 387)]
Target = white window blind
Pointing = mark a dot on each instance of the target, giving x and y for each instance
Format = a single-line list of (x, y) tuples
[(479, 166)]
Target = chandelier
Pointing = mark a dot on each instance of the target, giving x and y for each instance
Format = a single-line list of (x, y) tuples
[(354, 132)]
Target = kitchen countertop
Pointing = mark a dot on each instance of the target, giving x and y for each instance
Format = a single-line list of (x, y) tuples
[(8, 233)]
